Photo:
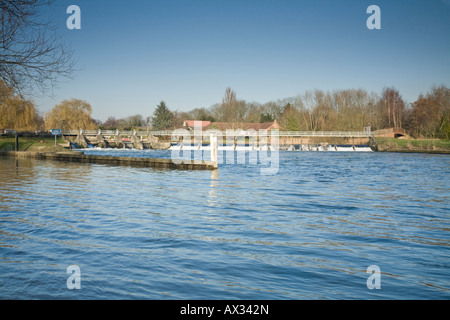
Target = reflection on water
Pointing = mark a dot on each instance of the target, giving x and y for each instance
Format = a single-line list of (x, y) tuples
[(309, 232), (212, 194)]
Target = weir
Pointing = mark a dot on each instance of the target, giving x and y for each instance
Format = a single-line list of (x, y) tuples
[(237, 140), (288, 140)]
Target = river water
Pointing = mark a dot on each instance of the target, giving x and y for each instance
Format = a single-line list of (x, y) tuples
[(310, 231)]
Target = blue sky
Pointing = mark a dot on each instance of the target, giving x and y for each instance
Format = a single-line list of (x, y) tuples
[(133, 54)]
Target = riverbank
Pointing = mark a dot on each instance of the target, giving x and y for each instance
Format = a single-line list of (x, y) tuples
[(38, 144), (412, 146), (33, 144)]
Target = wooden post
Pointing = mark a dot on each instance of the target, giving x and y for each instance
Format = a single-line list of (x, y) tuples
[(16, 143), (214, 147)]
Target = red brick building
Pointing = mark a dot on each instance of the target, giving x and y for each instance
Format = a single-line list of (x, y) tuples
[(223, 126)]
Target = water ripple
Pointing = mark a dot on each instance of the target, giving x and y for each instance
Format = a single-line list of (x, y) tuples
[(309, 232)]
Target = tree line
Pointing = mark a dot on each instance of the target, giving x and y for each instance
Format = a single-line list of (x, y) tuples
[(317, 110), (339, 110)]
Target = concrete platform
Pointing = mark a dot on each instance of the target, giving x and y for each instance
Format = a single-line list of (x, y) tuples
[(74, 156)]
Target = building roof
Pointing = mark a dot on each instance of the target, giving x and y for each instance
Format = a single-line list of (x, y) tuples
[(222, 126), (191, 123)]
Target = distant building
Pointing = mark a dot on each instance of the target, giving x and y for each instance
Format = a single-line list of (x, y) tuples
[(191, 123), (223, 126)]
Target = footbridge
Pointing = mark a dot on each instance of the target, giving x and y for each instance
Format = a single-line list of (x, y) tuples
[(237, 132), (289, 140)]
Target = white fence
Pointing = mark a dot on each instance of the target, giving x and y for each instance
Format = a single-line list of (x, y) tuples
[(351, 134)]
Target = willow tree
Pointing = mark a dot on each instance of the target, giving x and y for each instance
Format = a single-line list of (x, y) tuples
[(71, 114), (15, 112)]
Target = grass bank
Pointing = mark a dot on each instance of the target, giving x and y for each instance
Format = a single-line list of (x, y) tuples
[(7, 143), (411, 145)]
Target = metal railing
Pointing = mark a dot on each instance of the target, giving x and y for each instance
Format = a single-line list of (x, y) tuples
[(351, 134), (359, 134)]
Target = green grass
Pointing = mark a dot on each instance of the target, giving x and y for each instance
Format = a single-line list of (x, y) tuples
[(28, 143), (413, 144)]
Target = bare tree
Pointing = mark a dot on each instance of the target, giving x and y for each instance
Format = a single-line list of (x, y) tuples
[(231, 110), (201, 114), (394, 107), (110, 123), (254, 113), (31, 54), (230, 105), (430, 114)]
